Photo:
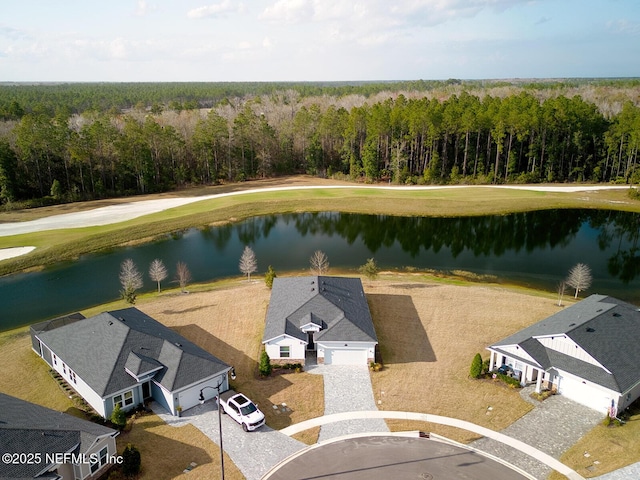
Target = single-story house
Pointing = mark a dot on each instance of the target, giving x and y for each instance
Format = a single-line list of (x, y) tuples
[(325, 315), (588, 352), (37, 442), (125, 357)]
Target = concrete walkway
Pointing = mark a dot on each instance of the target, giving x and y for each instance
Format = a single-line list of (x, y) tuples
[(347, 388), (254, 453), (553, 426)]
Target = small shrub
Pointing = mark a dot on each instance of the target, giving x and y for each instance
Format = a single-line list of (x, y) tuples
[(634, 193), (265, 364), (375, 366), (269, 276), (118, 417), (476, 366), (369, 269), (606, 421), (512, 382), (131, 461)]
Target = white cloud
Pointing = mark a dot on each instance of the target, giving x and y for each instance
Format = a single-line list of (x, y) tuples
[(214, 10), (289, 11), (625, 27), (144, 8)]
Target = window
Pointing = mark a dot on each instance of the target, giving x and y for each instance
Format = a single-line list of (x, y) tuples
[(72, 375), (284, 351), (124, 399), (101, 461), (64, 369), (55, 359)]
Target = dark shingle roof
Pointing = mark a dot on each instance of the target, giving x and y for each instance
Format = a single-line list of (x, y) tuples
[(99, 348), (606, 328), (29, 428), (337, 304)]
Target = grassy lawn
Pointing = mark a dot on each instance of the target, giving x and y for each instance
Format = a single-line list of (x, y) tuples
[(428, 328), (608, 448), (55, 245)]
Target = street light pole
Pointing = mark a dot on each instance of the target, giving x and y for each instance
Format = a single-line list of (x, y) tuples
[(201, 398)]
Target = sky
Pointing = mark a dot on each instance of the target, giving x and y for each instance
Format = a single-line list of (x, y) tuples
[(316, 40)]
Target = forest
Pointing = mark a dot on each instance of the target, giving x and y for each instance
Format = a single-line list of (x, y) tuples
[(69, 142)]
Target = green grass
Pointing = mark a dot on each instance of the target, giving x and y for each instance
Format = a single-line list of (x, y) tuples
[(57, 245)]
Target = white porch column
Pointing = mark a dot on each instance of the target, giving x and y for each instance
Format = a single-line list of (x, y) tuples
[(523, 377), (490, 360), (539, 382)]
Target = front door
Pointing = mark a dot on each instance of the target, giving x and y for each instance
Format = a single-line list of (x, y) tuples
[(311, 345), (146, 390)]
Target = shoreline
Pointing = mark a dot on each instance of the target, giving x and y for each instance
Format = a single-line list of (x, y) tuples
[(114, 214)]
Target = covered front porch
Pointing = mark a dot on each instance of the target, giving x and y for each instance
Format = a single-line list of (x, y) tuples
[(526, 373)]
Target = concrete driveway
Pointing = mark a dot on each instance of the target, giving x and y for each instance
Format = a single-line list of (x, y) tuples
[(254, 453)]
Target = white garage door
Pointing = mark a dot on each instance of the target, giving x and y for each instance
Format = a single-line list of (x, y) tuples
[(584, 394), (345, 357)]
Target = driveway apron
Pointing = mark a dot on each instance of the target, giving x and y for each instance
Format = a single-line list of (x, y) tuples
[(347, 388), (254, 453), (553, 426)]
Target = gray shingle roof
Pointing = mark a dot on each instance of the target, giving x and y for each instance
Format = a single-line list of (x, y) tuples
[(99, 348), (337, 304), (29, 428), (606, 328)]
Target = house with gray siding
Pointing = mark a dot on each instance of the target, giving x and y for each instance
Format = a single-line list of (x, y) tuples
[(125, 357), (588, 352), (36, 442), (326, 316)]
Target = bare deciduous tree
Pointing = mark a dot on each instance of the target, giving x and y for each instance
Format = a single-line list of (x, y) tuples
[(248, 262), (319, 263), (157, 272), (579, 278), (183, 275), (130, 280), (562, 286)]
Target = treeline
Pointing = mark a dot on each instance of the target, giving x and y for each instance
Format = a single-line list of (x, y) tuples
[(417, 138)]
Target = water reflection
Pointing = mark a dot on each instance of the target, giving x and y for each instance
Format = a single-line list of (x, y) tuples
[(536, 249)]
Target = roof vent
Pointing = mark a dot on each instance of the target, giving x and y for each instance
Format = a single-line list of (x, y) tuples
[(572, 324), (110, 322), (616, 314), (121, 319), (590, 330), (313, 289), (177, 344)]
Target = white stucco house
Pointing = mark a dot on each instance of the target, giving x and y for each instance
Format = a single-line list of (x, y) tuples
[(326, 316), (125, 357), (54, 445), (588, 352)]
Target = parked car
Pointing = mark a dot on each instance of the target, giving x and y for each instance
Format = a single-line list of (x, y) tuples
[(241, 409)]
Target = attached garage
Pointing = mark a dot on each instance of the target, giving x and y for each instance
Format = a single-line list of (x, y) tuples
[(335, 356), (581, 392)]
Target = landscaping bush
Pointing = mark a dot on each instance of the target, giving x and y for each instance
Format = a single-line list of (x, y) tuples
[(131, 461), (265, 364), (476, 366), (512, 382), (118, 417), (269, 276)]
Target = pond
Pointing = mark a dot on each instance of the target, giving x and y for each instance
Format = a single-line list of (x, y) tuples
[(535, 249)]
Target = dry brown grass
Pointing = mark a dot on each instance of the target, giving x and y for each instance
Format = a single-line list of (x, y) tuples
[(429, 333), (166, 451), (229, 322), (429, 329)]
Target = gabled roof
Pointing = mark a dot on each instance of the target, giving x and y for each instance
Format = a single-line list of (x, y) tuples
[(604, 327), (98, 349), (29, 428), (336, 304)]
